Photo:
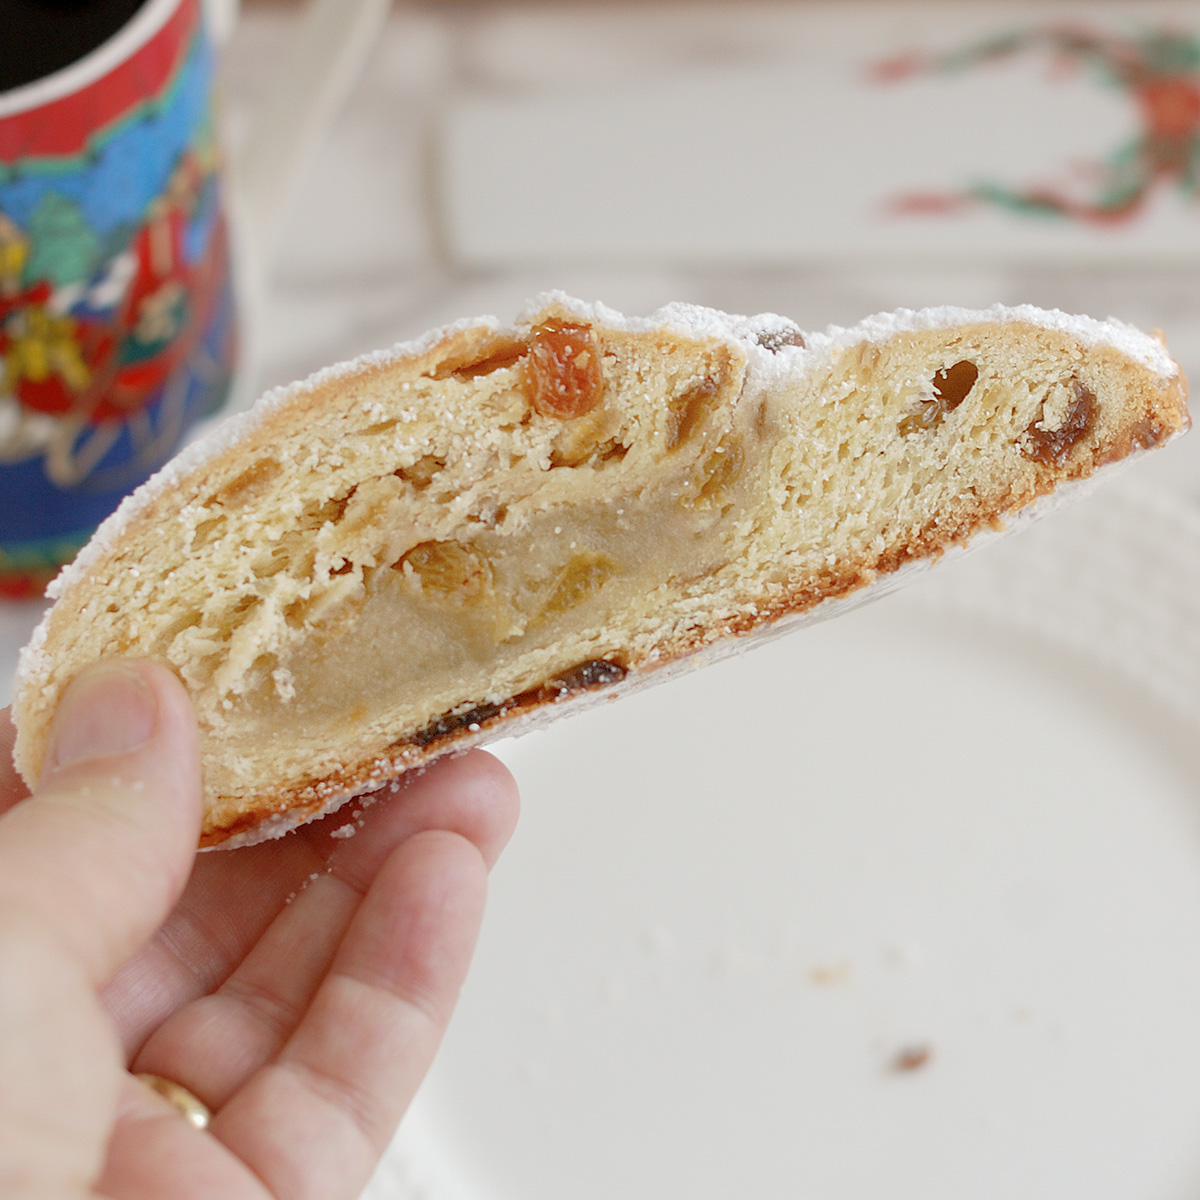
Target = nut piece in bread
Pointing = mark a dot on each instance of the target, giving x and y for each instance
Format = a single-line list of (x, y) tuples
[(467, 535)]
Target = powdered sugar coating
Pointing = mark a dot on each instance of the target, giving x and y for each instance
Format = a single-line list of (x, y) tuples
[(32, 662), (1130, 341), (697, 321)]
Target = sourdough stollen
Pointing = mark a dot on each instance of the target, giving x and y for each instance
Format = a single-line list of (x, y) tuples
[(485, 528)]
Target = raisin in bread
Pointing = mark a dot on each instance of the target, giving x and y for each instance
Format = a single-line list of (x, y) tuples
[(466, 535)]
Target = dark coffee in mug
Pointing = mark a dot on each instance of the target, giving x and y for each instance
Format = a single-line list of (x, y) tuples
[(38, 37)]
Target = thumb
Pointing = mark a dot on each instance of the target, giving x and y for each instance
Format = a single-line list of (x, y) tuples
[(101, 850)]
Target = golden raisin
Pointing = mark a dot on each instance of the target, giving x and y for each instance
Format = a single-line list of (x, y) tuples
[(776, 339), (562, 371), (1145, 434), (724, 467), (451, 570), (687, 412), (492, 354), (252, 483), (581, 578), (420, 474), (951, 384), (950, 387), (576, 441), (1050, 447)]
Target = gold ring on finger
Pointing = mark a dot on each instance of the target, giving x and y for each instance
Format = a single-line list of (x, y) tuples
[(193, 1110)]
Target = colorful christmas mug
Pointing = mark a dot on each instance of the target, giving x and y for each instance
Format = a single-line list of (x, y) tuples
[(117, 329), (117, 305)]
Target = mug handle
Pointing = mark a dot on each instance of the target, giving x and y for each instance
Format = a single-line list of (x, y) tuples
[(312, 80)]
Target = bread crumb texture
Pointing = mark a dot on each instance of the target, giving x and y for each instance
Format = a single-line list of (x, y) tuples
[(408, 553)]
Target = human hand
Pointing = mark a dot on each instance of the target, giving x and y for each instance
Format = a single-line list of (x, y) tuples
[(299, 988)]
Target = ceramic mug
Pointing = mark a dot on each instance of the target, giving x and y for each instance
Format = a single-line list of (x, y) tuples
[(118, 323)]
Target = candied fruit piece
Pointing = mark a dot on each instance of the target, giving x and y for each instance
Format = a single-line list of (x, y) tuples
[(562, 371)]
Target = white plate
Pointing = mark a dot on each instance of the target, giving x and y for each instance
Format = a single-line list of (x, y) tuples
[(905, 905)]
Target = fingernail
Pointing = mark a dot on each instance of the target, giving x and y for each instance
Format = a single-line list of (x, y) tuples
[(107, 710)]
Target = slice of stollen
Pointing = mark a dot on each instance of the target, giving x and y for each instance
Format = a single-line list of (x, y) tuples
[(485, 528)]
